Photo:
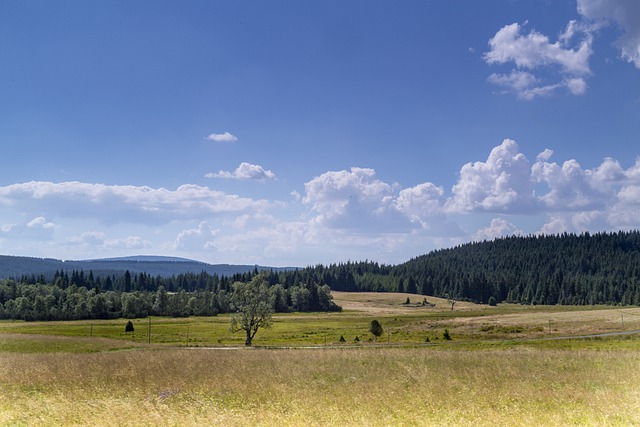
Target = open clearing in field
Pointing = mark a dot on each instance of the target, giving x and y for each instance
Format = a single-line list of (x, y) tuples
[(383, 303), (413, 324)]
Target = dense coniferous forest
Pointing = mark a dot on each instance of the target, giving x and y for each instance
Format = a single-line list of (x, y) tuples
[(569, 269)]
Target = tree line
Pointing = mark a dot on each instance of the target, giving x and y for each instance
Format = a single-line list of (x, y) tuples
[(569, 269), (83, 296)]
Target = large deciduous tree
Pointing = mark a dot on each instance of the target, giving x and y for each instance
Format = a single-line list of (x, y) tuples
[(254, 304)]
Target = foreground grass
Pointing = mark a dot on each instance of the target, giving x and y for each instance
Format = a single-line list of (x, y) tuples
[(375, 386), (506, 365)]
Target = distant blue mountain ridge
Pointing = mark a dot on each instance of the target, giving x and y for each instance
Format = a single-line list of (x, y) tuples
[(148, 258), (18, 266)]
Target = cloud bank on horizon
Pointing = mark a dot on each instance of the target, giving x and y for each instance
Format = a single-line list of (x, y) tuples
[(349, 208)]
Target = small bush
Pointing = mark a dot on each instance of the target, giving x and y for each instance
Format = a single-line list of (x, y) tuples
[(492, 301), (446, 335), (129, 327), (342, 339), (376, 328), (357, 339)]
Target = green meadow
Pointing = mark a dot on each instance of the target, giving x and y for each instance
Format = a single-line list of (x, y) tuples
[(504, 365)]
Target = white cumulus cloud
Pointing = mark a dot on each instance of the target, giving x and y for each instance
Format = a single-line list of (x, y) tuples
[(542, 66), (353, 199), (570, 187), (578, 199), (421, 202), (534, 50), (625, 14), (246, 171), (357, 202), (535, 53), (502, 183)]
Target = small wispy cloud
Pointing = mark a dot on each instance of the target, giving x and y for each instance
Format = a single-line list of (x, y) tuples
[(246, 171), (38, 228), (195, 239), (499, 227), (222, 137), (100, 239)]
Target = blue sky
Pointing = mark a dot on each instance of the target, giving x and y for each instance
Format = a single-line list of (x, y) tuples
[(293, 133)]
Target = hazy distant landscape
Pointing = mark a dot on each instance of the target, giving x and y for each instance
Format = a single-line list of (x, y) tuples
[(13, 266)]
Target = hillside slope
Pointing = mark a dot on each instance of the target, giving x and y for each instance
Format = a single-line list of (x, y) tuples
[(16, 267), (602, 268)]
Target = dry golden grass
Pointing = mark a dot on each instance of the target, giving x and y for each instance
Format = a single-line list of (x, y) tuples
[(387, 303), (373, 387), (54, 374)]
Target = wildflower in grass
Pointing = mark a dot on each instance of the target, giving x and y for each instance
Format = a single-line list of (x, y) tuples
[(166, 394)]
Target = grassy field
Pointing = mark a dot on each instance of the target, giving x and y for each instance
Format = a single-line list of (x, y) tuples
[(500, 368)]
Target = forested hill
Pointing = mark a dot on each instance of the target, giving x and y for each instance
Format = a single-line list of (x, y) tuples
[(19, 267), (566, 269), (601, 268)]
